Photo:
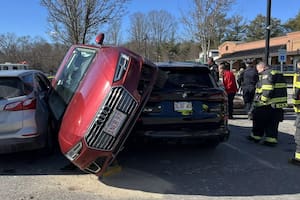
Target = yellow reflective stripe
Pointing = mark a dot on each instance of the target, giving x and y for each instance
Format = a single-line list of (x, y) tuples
[(258, 90), (271, 140), (295, 101), (260, 103), (267, 87), (281, 105), (280, 85), (297, 84), (278, 99), (273, 72), (296, 108), (264, 98), (297, 155), (255, 137)]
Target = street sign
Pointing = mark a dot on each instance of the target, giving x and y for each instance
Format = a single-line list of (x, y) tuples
[(281, 55)]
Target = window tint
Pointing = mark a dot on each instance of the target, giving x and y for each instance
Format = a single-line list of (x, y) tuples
[(10, 87), (184, 78), (73, 72), (28, 83), (69, 80)]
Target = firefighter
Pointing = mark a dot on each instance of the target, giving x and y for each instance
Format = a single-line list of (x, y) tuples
[(296, 104), (269, 101)]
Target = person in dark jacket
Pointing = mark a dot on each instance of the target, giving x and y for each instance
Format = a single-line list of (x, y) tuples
[(247, 81), (213, 68), (270, 98)]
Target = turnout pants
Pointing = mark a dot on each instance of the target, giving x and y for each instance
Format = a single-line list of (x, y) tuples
[(297, 133), (265, 121)]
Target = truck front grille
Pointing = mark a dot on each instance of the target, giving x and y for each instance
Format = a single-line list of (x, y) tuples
[(118, 99)]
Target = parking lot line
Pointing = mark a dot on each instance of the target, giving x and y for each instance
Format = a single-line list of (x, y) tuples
[(263, 162)]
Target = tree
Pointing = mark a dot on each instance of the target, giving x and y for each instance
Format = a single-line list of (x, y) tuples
[(236, 29), (138, 33), (37, 52), (9, 47), (113, 35), (219, 32), (76, 21), (150, 32), (293, 24), (201, 20), (162, 26), (257, 28)]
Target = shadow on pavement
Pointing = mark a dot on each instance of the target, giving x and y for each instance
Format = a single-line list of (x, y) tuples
[(235, 168), (35, 163)]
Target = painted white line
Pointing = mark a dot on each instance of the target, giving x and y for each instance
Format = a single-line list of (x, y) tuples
[(263, 162)]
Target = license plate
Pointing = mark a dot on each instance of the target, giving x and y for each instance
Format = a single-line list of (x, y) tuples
[(115, 123), (183, 106)]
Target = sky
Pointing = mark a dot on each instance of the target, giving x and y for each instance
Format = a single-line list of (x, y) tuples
[(29, 18)]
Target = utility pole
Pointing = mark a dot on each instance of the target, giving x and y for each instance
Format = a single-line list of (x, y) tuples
[(268, 29)]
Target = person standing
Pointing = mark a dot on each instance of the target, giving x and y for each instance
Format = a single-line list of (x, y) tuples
[(296, 103), (213, 67), (238, 75), (270, 98), (230, 86), (247, 80)]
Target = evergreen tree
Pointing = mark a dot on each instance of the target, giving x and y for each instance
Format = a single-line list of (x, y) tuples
[(257, 28), (293, 24)]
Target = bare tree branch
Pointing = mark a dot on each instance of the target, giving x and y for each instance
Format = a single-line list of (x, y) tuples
[(76, 21), (201, 20)]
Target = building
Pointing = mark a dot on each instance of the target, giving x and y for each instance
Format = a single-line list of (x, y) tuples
[(214, 53), (236, 52)]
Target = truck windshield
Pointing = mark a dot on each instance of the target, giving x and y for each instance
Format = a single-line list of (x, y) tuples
[(69, 79)]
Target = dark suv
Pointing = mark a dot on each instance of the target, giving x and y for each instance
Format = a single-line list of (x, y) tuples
[(186, 102)]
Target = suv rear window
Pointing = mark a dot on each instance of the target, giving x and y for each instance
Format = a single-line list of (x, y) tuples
[(183, 78), (10, 87)]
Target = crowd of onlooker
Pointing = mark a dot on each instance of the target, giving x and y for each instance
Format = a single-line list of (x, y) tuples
[(264, 92)]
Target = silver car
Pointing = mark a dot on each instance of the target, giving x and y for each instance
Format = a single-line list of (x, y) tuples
[(24, 112)]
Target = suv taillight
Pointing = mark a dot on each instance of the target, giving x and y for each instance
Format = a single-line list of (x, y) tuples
[(27, 104)]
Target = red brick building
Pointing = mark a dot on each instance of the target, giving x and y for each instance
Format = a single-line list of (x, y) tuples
[(236, 52)]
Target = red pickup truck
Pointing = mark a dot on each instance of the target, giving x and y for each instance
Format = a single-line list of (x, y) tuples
[(98, 94)]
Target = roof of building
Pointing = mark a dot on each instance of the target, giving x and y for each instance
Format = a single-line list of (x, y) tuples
[(251, 53)]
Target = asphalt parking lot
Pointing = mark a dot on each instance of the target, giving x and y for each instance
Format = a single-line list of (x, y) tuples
[(237, 169)]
